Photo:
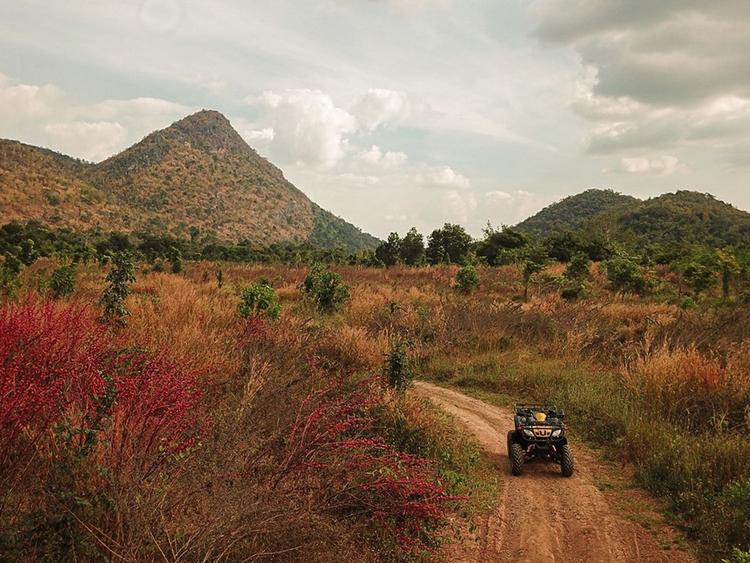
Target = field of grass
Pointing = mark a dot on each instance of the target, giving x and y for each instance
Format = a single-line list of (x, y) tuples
[(190, 432)]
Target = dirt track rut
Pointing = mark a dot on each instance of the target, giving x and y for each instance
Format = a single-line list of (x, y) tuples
[(541, 516)]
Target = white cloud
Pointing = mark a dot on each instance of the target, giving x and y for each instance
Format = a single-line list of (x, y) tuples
[(659, 166), (26, 101), (90, 140), (378, 107), (308, 127), (443, 177), (375, 156)]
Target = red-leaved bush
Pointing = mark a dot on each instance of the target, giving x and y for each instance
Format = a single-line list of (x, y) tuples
[(334, 438), (66, 384)]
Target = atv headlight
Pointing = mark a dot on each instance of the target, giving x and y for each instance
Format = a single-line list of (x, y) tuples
[(528, 433), (557, 433)]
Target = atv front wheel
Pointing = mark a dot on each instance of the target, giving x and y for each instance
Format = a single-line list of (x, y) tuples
[(566, 461), (517, 457)]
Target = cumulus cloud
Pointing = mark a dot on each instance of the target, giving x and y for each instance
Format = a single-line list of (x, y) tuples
[(89, 140), (379, 106), (658, 76), (308, 127), (26, 101), (389, 159), (657, 166), (443, 177)]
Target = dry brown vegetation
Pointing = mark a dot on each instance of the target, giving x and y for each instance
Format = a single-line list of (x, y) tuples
[(663, 387)]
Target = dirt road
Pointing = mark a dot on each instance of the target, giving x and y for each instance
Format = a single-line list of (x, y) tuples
[(542, 516)]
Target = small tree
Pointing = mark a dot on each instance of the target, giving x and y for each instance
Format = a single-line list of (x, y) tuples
[(259, 299), (119, 278), (730, 267), (325, 288), (449, 245), (534, 259), (62, 282), (467, 279), (578, 268), (175, 259), (389, 252), (397, 366), (412, 250), (9, 271), (626, 275)]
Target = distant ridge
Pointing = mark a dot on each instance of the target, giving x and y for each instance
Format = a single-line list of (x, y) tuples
[(198, 172), (679, 217), (572, 212)]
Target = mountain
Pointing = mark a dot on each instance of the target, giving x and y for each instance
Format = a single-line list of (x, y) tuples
[(572, 212), (680, 217), (198, 172), (686, 217)]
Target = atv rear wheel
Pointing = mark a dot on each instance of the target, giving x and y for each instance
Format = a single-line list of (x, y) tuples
[(566, 461), (517, 456)]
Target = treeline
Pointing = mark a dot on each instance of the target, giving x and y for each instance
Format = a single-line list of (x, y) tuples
[(694, 269)]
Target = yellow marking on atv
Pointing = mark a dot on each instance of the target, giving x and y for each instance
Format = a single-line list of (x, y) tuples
[(543, 432)]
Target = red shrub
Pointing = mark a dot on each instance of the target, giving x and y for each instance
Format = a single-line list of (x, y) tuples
[(63, 382), (334, 436)]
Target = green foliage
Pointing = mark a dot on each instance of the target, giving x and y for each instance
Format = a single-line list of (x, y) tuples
[(62, 281), (331, 232), (626, 275), (578, 268), (500, 247), (467, 279), (9, 271), (575, 277), (738, 556), (119, 278), (700, 274), (397, 366), (175, 259), (533, 260), (449, 245), (389, 252), (573, 212), (325, 288), (258, 300), (412, 248)]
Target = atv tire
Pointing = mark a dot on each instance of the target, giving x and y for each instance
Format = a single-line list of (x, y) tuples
[(566, 461), (517, 457), (510, 441)]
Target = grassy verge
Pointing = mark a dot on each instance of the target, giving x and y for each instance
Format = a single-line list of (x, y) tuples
[(704, 475)]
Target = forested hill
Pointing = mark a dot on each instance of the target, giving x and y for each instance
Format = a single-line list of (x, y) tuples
[(682, 217), (197, 173), (574, 211)]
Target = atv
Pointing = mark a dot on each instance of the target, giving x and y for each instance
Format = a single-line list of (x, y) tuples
[(539, 435)]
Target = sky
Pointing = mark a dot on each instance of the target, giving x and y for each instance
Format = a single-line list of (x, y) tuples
[(401, 113)]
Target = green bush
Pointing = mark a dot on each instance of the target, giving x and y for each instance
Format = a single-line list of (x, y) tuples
[(467, 279), (325, 288), (62, 282), (119, 278), (258, 300), (626, 275), (397, 367)]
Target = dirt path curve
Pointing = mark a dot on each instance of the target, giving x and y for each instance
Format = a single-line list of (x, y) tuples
[(542, 516)]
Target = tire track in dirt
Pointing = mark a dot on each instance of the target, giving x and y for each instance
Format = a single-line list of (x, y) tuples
[(542, 516)]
